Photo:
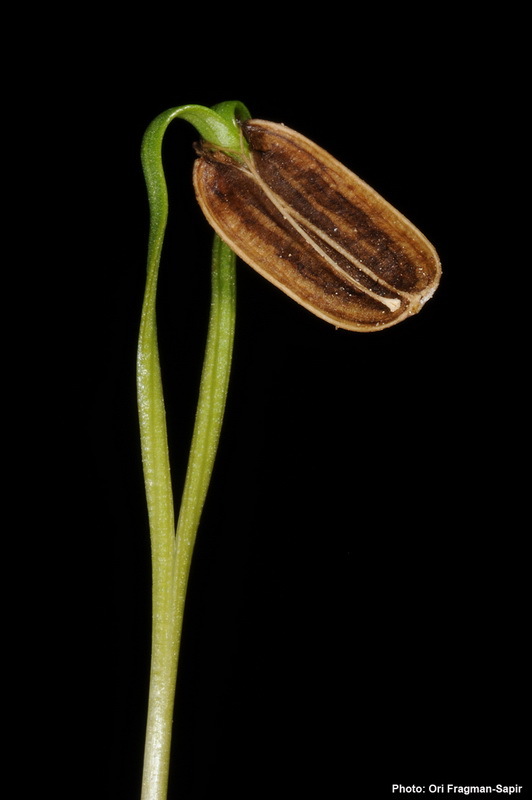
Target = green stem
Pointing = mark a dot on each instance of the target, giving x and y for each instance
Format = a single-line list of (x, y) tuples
[(172, 555), (172, 551)]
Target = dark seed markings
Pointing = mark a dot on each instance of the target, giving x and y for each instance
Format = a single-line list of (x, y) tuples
[(316, 230)]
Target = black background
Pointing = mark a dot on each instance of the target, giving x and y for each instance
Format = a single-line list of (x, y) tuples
[(355, 609)]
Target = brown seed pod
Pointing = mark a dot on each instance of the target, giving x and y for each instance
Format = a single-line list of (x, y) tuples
[(316, 230)]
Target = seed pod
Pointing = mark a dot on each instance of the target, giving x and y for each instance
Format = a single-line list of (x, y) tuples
[(315, 230)]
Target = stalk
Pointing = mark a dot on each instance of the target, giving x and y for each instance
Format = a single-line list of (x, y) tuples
[(172, 549), (172, 555)]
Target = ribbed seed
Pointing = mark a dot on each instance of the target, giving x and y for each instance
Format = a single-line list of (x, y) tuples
[(316, 230)]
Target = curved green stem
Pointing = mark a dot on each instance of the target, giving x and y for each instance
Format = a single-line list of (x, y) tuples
[(172, 551)]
